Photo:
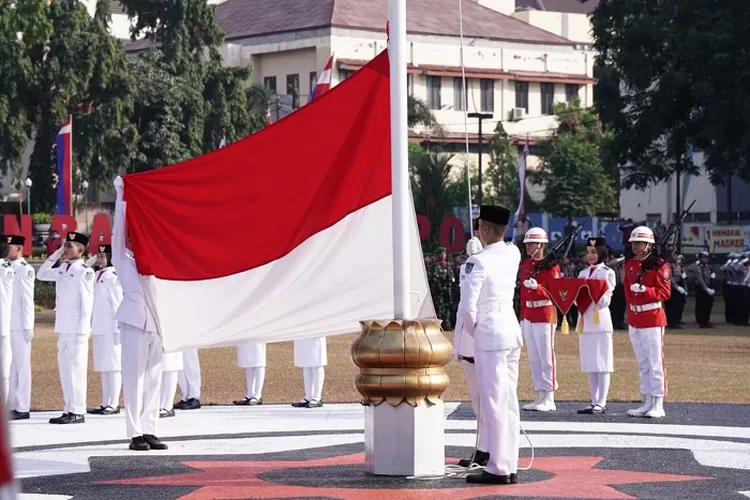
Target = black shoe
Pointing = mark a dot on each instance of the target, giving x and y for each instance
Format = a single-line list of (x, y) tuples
[(190, 404), (166, 413), (95, 411), (154, 443), (314, 404), (110, 411), (139, 443), (487, 478), (19, 415), (248, 402), (301, 404), (586, 411), (480, 458), (180, 404), (513, 477), (72, 418)]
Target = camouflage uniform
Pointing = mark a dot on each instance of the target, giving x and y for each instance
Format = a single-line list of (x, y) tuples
[(441, 278)]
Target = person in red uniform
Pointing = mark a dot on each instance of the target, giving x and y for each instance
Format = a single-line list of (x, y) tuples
[(647, 319), (538, 321)]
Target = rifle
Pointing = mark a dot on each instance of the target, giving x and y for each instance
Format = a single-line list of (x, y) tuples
[(663, 251), (554, 255)]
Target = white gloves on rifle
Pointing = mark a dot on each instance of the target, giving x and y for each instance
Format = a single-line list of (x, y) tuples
[(637, 288), (710, 291), (682, 290), (531, 283), (713, 275)]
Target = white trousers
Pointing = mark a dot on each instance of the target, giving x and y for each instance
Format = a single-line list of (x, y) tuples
[(19, 393), (648, 345), (255, 378), (314, 377), (190, 376), (540, 345), (471, 381), (111, 385), (599, 387), (168, 389), (497, 372), (141, 379), (6, 360), (72, 361)]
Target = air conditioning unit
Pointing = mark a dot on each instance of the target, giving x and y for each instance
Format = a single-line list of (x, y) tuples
[(517, 114)]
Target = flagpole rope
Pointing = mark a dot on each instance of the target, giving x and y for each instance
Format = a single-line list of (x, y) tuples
[(455, 471)]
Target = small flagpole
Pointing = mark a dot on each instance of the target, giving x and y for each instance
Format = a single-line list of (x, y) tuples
[(399, 159)]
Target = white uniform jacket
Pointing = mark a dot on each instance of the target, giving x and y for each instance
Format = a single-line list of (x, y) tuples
[(133, 309), (599, 272), (74, 294), (462, 341), (486, 306), (22, 314), (107, 298), (7, 278)]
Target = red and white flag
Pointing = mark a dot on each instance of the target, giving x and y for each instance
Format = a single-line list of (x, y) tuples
[(286, 235), (324, 82), (522, 165), (268, 114)]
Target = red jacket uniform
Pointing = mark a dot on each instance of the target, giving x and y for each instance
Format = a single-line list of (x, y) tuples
[(642, 307), (532, 300)]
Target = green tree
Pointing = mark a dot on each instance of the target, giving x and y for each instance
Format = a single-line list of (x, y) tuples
[(258, 99), (503, 186), (575, 183), (434, 188)]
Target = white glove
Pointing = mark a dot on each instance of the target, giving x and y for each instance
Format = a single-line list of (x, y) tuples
[(713, 275), (57, 253), (682, 290), (119, 185), (473, 246), (28, 335), (710, 291), (684, 276), (637, 288), (91, 261), (531, 283)]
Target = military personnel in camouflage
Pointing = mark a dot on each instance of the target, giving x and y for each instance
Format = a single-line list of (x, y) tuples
[(704, 291), (441, 278), (676, 303)]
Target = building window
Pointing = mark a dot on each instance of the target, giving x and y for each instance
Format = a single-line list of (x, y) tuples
[(344, 74), (434, 83), (292, 89), (487, 94), (522, 95), (571, 91), (269, 82), (458, 94), (313, 80), (548, 97)]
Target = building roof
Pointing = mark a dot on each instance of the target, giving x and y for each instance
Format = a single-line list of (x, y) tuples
[(249, 18), (570, 6)]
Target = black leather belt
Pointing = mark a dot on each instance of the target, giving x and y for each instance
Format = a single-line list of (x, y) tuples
[(466, 358)]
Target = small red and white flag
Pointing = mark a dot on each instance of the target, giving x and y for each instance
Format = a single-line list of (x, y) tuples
[(301, 247), (268, 114), (324, 82)]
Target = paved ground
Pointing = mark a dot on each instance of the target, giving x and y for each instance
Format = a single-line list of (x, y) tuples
[(698, 452)]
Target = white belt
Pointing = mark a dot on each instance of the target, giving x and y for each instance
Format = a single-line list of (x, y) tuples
[(646, 307), (538, 303)]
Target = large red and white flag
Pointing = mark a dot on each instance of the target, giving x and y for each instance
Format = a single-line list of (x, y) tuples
[(284, 235)]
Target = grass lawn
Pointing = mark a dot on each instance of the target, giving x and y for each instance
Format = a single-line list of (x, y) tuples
[(711, 365)]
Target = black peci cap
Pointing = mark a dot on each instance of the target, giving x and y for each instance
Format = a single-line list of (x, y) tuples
[(495, 214), (77, 238)]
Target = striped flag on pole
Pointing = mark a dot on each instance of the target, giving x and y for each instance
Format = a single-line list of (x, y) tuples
[(268, 114), (324, 82), (64, 153), (521, 211)]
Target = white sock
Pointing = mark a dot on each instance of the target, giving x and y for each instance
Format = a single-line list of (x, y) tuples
[(318, 377), (115, 386), (105, 389), (307, 378), (168, 390), (604, 379), (260, 378), (594, 387)]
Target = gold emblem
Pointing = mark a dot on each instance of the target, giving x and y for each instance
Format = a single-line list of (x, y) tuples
[(564, 294), (102, 249), (71, 236), (592, 243), (10, 238)]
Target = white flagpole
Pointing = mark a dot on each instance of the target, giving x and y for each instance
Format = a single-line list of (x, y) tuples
[(399, 160)]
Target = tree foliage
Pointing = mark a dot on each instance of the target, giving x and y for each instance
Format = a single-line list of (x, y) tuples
[(575, 182), (670, 78)]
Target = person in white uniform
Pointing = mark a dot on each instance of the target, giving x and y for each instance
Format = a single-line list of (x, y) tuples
[(486, 309), (105, 333), (141, 344), (170, 372), (252, 357), (74, 291), (189, 380), (463, 352), (21, 329), (7, 278), (312, 356), (595, 325)]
